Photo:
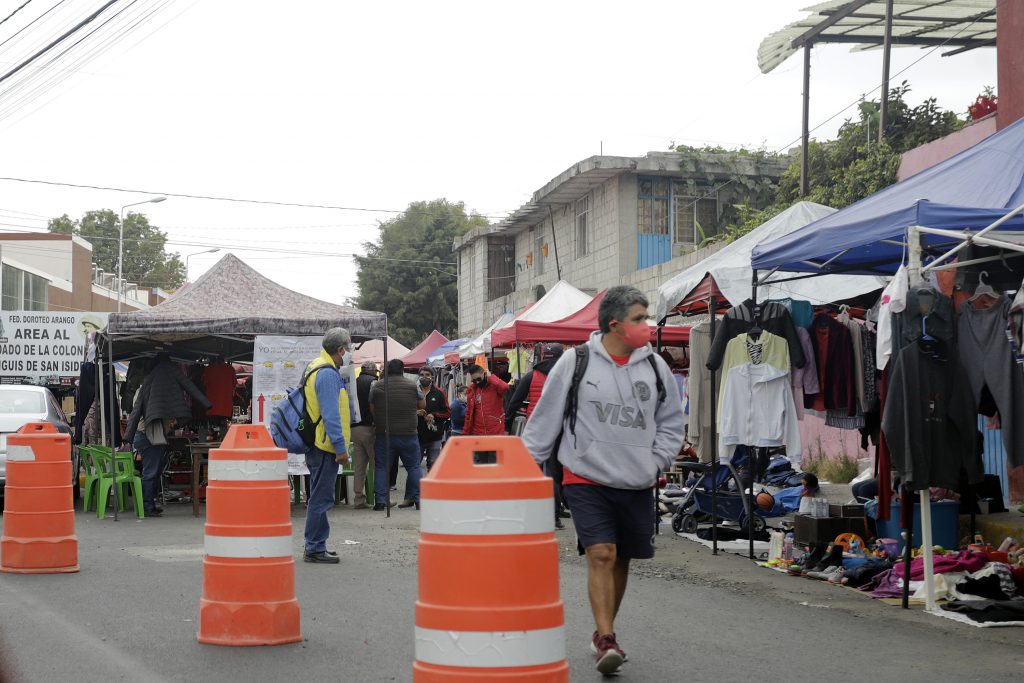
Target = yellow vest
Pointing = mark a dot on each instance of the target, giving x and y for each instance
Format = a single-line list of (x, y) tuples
[(313, 406)]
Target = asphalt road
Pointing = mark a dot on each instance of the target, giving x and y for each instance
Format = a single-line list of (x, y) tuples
[(130, 614)]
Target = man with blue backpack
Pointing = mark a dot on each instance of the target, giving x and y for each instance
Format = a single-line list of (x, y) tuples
[(327, 405)]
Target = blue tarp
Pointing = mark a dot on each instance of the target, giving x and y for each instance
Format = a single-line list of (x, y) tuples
[(437, 355), (967, 191)]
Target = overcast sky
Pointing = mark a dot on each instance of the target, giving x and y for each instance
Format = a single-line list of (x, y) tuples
[(374, 105)]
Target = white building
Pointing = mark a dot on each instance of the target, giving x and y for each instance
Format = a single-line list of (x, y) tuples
[(604, 221)]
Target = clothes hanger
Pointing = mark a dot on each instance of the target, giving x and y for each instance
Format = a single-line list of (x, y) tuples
[(983, 288), (755, 331)]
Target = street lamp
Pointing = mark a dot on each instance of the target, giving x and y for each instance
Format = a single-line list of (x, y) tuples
[(120, 246), (208, 251)]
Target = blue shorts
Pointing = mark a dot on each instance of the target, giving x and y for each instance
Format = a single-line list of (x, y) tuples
[(602, 514)]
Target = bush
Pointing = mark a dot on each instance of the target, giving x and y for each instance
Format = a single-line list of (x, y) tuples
[(836, 470)]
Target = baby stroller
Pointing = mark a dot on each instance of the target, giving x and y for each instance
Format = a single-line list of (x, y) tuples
[(698, 505)]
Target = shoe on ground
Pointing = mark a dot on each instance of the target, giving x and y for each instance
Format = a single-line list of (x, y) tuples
[(558, 523), (380, 506), (593, 647), (360, 506), (153, 513), (564, 514), (321, 558), (406, 503), (837, 577), (608, 654), (822, 575)]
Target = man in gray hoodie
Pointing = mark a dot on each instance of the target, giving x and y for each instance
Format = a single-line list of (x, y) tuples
[(624, 437)]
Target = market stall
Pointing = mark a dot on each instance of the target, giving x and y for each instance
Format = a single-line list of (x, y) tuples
[(216, 322), (560, 301), (373, 350), (417, 358), (935, 319)]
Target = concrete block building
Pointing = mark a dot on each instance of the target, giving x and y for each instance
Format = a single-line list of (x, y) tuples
[(604, 221)]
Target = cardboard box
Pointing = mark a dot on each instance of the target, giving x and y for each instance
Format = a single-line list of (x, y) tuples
[(825, 529), (846, 510)]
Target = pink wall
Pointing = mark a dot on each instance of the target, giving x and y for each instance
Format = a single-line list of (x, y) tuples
[(927, 155), (816, 435)]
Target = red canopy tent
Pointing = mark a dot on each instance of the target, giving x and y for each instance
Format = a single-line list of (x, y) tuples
[(417, 358), (574, 329)]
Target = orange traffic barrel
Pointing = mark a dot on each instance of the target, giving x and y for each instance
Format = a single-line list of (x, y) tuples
[(489, 606), (39, 507), (248, 571)]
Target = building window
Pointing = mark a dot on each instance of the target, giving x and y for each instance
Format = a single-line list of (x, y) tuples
[(501, 267), (667, 207), (582, 227), (23, 291), (11, 300)]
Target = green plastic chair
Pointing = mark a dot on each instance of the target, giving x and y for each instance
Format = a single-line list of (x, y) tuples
[(103, 474)]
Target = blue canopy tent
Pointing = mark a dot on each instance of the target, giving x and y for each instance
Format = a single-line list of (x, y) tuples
[(975, 187), (982, 190)]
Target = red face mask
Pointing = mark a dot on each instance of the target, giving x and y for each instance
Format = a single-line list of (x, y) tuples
[(635, 335)]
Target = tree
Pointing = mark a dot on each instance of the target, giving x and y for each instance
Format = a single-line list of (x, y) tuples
[(856, 164), (146, 261), (409, 273)]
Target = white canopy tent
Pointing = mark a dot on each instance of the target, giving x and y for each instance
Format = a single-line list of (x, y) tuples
[(560, 301), (731, 272), (482, 344)]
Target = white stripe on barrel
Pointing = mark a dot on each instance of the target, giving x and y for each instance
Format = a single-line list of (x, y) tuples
[(248, 546), (20, 452), (248, 470), (483, 649), (487, 517)]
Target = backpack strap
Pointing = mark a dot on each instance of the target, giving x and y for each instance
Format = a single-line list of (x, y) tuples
[(572, 399), (659, 383), (305, 379)]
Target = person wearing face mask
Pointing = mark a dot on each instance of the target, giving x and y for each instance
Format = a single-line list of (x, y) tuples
[(485, 404), (432, 418), (624, 434)]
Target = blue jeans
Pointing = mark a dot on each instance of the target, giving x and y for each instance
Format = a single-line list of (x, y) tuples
[(152, 468), (323, 475), (430, 449), (403, 448)]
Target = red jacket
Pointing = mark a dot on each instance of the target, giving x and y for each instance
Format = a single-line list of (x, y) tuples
[(485, 408)]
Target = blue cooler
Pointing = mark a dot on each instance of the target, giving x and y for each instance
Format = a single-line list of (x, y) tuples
[(945, 524)]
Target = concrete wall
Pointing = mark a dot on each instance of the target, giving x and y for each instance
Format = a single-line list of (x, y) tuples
[(649, 279), (931, 153)]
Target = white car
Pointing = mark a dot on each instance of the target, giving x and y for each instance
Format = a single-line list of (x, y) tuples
[(21, 404)]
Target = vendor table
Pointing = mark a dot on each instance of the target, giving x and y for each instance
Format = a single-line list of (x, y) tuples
[(200, 453)]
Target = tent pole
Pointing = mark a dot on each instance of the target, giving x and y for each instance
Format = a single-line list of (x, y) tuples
[(914, 272), (115, 420), (712, 305), (805, 124), (750, 451), (102, 395), (883, 112), (387, 433)]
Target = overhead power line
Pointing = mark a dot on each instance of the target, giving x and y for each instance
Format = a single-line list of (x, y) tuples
[(54, 43), (20, 7)]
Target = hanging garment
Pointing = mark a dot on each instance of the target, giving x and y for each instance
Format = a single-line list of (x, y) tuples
[(1015, 326), (219, 381), (930, 420), (858, 355), (833, 348), (801, 311), (988, 360), (924, 301), (700, 392), (774, 318), (768, 349), (758, 410), (868, 354), (892, 302), (805, 379), (85, 396)]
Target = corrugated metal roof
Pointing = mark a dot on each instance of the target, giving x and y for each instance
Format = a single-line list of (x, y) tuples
[(963, 24)]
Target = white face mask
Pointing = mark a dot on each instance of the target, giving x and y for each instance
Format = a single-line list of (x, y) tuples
[(347, 358)]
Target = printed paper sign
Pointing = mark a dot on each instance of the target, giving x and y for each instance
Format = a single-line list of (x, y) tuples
[(44, 346)]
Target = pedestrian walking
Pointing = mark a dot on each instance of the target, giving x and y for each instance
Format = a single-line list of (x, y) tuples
[(328, 406), (485, 405), (396, 417), (362, 433), (432, 419), (623, 427)]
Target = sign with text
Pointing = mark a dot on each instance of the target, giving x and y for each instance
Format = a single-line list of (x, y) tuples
[(45, 346)]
